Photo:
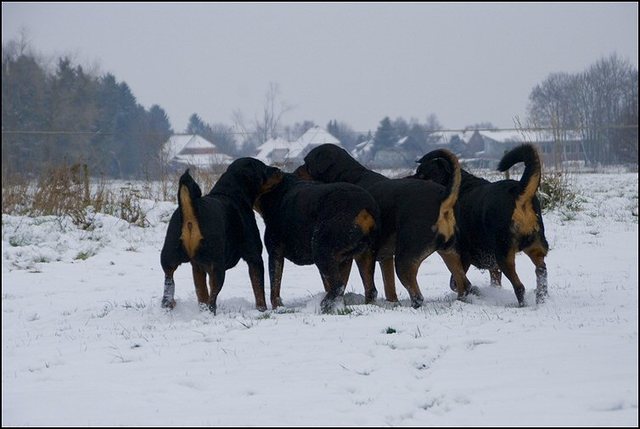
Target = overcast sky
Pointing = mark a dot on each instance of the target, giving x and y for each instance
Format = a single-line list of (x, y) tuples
[(354, 62)]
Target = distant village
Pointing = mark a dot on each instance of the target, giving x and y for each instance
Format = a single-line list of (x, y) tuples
[(474, 148)]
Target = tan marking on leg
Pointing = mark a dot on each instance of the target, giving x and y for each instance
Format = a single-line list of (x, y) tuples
[(200, 282), (366, 267), (454, 264), (389, 279), (407, 273), (508, 268), (256, 275), (536, 252), (191, 235)]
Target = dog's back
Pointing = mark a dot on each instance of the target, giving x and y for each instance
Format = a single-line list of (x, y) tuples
[(295, 211)]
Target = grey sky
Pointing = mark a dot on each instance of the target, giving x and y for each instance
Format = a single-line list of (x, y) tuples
[(355, 62)]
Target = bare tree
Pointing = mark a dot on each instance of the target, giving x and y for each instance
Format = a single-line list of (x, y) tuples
[(268, 126), (265, 127)]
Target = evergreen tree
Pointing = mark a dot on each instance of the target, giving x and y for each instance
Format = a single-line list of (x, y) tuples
[(385, 136)]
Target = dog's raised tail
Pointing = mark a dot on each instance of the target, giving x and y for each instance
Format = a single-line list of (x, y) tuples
[(446, 218), (530, 180), (188, 193)]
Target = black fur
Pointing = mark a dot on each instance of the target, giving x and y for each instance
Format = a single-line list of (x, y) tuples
[(228, 228), (409, 209), (315, 223), (487, 238)]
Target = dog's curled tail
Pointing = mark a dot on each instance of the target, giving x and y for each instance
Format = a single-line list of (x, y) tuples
[(530, 180), (453, 184), (188, 193), (446, 218)]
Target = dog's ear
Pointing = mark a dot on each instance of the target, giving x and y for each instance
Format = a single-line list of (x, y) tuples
[(271, 177), (437, 170)]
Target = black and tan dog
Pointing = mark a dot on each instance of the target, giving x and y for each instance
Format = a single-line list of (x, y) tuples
[(417, 216), (323, 224), (215, 231), (498, 219)]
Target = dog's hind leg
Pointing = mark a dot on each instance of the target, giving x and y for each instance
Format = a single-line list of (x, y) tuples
[(508, 267), (458, 272), (171, 257), (276, 265), (496, 277), (389, 279), (216, 280), (200, 282), (366, 267), (537, 254), (345, 270), (168, 300), (256, 274), (407, 271), (336, 289), (329, 269)]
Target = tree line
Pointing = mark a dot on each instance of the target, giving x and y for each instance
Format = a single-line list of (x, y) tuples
[(96, 120), (600, 104), (88, 119)]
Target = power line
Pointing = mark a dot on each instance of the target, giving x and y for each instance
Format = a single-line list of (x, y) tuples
[(247, 133)]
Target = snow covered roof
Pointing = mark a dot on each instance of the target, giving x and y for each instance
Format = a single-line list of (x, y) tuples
[(193, 149), (278, 145), (314, 136), (178, 143), (444, 137), (278, 150), (504, 136)]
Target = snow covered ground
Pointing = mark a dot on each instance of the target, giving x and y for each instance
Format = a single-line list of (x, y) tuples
[(85, 342)]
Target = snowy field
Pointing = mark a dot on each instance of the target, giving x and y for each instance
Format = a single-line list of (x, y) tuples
[(85, 342)]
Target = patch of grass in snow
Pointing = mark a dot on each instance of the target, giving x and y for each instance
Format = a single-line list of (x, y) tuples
[(18, 241), (83, 256), (139, 305), (347, 311)]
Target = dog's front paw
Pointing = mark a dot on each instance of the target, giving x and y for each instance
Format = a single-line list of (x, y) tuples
[(416, 301), (541, 296), (212, 307), (326, 306), (371, 296), (276, 302), (168, 302)]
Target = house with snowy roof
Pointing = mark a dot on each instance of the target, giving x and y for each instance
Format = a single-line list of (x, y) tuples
[(288, 155), (182, 150)]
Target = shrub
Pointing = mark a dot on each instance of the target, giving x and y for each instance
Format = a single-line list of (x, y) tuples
[(556, 191)]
